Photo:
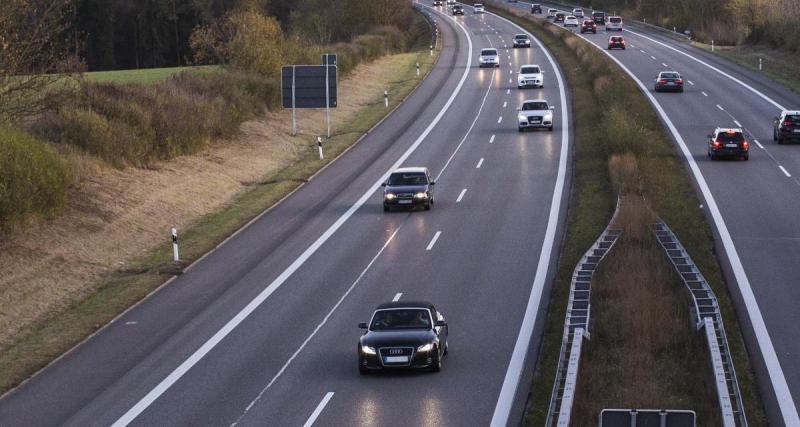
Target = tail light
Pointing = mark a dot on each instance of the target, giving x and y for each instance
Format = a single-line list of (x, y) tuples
[(679, 81), (787, 123), (662, 81), (745, 145), (716, 144)]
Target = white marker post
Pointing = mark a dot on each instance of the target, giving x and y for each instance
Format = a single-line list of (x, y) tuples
[(418, 68), (386, 98), (175, 256), (431, 51), (712, 45), (319, 145), (760, 64)]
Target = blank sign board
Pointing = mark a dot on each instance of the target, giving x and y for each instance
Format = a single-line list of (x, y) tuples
[(309, 86), (647, 418)]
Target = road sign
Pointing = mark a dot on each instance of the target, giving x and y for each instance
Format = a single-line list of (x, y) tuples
[(328, 59), (303, 86)]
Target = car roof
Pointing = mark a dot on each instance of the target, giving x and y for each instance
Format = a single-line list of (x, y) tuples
[(534, 100), (792, 112), (518, 35), (411, 169), (405, 304), (726, 130)]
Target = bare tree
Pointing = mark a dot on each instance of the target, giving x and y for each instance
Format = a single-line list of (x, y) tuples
[(35, 56)]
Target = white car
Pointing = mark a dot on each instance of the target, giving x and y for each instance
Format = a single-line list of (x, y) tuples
[(489, 58), (551, 13), (530, 76), (535, 113), (478, 8), (614, 23), (577, 12), (571, 21)]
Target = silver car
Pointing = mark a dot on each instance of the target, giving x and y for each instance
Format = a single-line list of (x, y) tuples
[(535, 113), (489, 58)]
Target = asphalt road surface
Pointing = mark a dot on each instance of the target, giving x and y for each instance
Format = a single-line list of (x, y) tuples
[(263, 331), (754, 204)]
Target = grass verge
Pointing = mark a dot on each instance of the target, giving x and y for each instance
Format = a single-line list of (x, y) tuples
[(145, 76), (51, 337), (779, 65), (611, 116)]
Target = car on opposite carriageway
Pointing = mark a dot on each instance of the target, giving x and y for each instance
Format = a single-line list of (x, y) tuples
[(408, 187), (458, 10), (536, 8), (403, 335), (535, 113)]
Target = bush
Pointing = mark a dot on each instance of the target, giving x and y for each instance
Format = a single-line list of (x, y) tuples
[(33, 179)]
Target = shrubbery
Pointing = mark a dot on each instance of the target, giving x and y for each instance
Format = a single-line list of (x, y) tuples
[(33, 179)]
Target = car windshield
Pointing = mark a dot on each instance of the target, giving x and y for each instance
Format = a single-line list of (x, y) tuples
[(615, 20), (521, 37), (588, 22), (529, 70), (535, 106), (724, 137), (408, 178), (489, 52), (670, 76), (406, 318)]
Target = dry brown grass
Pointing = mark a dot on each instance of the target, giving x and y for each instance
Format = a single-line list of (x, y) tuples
[(115, 215), (644, 352)]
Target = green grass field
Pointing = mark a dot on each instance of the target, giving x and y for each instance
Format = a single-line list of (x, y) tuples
[(144, 76)]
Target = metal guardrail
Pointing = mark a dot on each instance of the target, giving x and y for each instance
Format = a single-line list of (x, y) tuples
[(577, 325), (707, 315)]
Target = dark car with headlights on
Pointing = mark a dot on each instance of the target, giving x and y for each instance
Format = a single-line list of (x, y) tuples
[(787, 127), (560, 17), (408, 187), (522, 40), (536, 8), (668, 81), (403, 335), (458, 10), (728, 142)]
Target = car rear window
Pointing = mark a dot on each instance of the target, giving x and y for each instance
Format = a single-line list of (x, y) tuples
[(487, 52), (616, 39), (670, 76), (406, 178), (529, 70), (724, 137), (535, 106), (616, 20)]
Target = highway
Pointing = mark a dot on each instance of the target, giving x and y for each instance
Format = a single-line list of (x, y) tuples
[(753, 205), (263, 330)]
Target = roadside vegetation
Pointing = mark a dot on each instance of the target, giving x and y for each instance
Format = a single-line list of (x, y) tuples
[(611, 117)]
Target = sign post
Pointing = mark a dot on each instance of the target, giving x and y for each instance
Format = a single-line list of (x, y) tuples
[(294, 97), (308, 86)]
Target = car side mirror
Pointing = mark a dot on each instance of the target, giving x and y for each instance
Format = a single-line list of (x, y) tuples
[(440, 323), (362, 325), (433, 182), (383, 184), (519, 108), (552, 107)]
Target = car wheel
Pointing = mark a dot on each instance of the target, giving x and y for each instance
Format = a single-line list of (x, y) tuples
[(550, 128), (746, 156), (436, 366), (428, 206), (387, 208)]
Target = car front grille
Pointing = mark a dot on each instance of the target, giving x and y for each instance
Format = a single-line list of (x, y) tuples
[(396, 351), (405, 196), (535, 119)]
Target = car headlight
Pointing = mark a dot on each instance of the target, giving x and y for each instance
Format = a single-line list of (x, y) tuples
[(421, 195), (522, 118), (549, 117), (367, 349), (389, 196), (425, 347)]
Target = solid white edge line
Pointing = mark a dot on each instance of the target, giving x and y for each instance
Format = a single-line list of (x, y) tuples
[(505, 400), (778, 380), (212, 342), (748, 87), (785, 172), (397, 297), (759, 144), (461, 195), (480, 162), (316, 329), (433, 241), (318, 409), (720, 107), (737, 123)]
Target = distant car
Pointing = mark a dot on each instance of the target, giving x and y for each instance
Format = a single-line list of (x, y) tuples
[(577, 12), (588, 26), (512, 1), (728, 142), (489, 58), (522, 40), (536, 8), (616, 42), (614, 23), (598, 17), (437, 2), (458, 10), (449, 2), (551, 13), (560, 17), (408, 187), (535, 113), (571, 21), (530, 76), (787, 127), (670, 81), (403, 335), (477, 8)]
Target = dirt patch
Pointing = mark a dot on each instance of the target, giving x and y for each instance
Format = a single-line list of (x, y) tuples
[(116, 215)]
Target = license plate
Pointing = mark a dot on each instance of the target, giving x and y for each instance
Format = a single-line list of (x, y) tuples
[(536, 122), (731, 145), (796, 131), (396, 359), (404, 202)]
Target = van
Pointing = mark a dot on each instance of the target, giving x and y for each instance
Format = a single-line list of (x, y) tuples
[(614, 23)]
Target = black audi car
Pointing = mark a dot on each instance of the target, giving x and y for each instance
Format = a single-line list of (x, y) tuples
[(408, 187), (403, 335), (787, 127), (728, 142)]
